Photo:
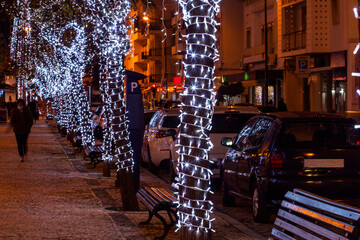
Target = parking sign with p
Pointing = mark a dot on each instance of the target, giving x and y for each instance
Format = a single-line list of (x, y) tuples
[(302, 64)]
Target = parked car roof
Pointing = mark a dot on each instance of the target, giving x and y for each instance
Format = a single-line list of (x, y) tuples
[(241, 109), (220, 109), (285, 115)]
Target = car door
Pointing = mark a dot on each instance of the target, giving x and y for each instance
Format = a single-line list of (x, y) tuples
[(250, 154), (148, 133), (232, 157)]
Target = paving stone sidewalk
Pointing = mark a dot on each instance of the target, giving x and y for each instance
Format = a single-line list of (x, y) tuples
[(55, 195)]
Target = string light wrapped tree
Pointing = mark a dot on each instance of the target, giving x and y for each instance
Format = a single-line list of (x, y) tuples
[(111, 35), (198, 100)]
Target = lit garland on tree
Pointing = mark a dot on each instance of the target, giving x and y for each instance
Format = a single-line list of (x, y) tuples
[(109, 17), (198, 100), (111, 37)]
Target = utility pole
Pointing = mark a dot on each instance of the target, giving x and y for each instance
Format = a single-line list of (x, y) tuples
[(265, 99)]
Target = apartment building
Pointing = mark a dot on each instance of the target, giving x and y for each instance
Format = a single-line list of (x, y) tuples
[(254, 52), (157, 50), (316, 39)]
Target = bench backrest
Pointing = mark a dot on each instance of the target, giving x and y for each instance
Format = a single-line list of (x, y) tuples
[(151, 197), (309, 216)]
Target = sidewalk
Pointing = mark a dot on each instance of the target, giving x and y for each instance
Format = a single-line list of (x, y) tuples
[(53, 195)]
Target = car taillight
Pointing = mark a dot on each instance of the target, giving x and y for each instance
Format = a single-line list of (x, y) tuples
[(160, 134), (276, 160)]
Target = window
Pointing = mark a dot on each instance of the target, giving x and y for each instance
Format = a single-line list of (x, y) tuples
[(248, 38), (243, 134), (228, 122), (258, 133), (316, 134), (171, 122), (335, 12), (154, 120)]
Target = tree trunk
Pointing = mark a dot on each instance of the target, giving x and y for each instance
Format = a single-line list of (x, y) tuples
[(198, 104), (123, 152), (107, 131)]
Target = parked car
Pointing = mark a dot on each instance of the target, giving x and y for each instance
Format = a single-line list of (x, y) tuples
[(155, 148), (148, 114), (277, 152), (226, 122)]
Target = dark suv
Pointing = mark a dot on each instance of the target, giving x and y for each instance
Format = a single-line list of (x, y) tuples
[(277, 152)]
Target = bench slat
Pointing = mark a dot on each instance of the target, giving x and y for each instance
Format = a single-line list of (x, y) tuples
[(309, 225), (145, 201), (160, 193), (155, 195), (295, 230), (148, 198), (149, 201), (281, 235), (326, 200), (343, 213), (318, 216), (170, 195)]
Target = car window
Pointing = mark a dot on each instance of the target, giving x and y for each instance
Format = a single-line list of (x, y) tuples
[(258, 133), (315, 134), (154, 120), (228, 122), (171, 122), (244, 133)]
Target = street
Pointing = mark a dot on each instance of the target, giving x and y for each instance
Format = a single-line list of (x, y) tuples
[(54, 194)]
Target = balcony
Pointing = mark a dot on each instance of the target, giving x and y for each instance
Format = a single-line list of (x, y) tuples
[(140, 38), (155, 78), (294, 41)]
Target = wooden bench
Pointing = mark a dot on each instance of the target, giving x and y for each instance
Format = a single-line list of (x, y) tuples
[(304, 215), (94, 153), (159, 199)]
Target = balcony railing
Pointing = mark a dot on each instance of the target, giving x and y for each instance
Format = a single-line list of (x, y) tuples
[(294, 41)]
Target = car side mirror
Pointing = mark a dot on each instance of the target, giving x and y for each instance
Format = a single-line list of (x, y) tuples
[(171, 133), (227, 142)]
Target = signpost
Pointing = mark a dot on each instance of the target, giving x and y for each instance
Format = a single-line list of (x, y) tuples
[(303, 66), (135, 108)]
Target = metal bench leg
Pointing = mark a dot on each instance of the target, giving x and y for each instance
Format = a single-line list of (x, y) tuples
[(166, 227), (97, 160), (172, 213), (151, 214)]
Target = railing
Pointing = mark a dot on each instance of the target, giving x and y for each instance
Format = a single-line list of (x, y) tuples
[(294, 41)]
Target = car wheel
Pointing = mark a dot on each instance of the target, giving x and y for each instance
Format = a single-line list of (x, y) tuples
[(261, 213), (227, 199)]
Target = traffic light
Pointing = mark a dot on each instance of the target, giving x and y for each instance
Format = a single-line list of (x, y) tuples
[(153, 89)]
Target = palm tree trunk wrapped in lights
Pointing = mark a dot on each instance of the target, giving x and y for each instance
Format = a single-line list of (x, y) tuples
[(111, 33), (107, 131), (198, 102)]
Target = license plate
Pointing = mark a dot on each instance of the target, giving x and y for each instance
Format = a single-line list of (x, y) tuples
[(323, 163)]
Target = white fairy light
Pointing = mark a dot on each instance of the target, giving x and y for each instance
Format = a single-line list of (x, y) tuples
[(111, 37), (197, 110), (356, 74)]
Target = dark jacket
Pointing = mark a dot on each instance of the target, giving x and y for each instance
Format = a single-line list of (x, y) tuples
[(21, 121)]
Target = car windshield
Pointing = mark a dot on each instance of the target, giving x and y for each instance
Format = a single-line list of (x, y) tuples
[(315, 134), (229, 122), (171, 122)]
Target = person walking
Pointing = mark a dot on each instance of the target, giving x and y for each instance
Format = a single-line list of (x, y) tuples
[(21, 121), (282, 105)]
